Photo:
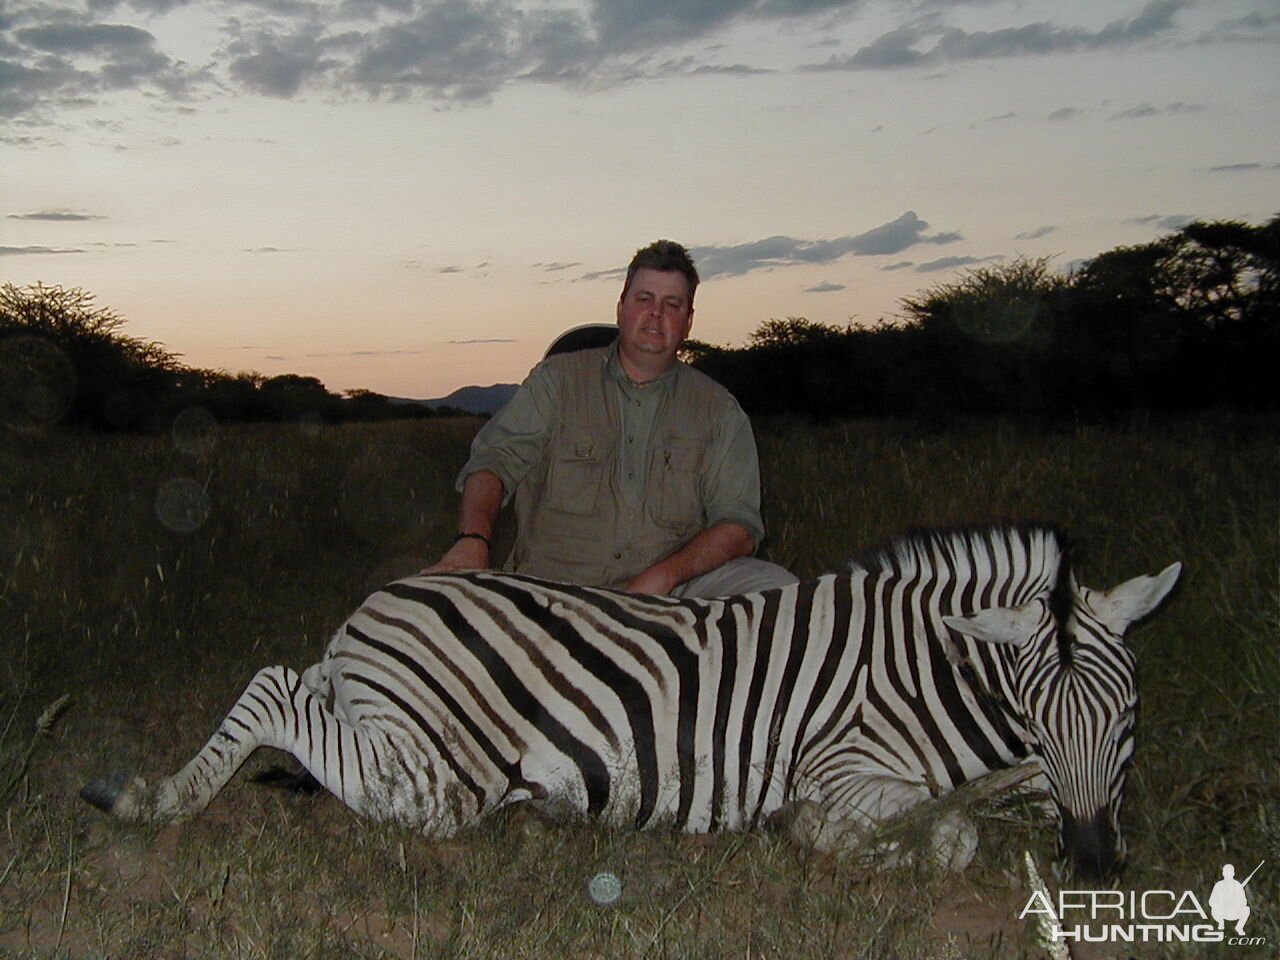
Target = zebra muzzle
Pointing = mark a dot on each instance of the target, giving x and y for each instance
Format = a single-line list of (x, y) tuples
[(1091, 847)]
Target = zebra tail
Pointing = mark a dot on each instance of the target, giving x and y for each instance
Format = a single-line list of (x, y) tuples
[(293, 781)]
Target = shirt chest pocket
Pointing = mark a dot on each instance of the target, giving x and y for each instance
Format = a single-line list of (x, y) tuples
[(676, 476), (576, 473)]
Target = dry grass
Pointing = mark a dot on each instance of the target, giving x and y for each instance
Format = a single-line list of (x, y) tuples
[(153, 631)]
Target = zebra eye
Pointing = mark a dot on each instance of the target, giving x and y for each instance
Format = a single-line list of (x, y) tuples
[(1123, 722)]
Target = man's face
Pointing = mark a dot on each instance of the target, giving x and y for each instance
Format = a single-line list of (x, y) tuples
[(655, 314)]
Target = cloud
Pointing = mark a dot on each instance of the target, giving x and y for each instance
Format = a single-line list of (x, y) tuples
[(453, 49), (728, 70), (951, 263), (55, 216), (1242, 167), (278, 65), (637, 25), (893, 237), (826, 288), (1251, 28), (929, 42), (105, 40), (364, 353), (72, 60), (1143, 110), (1036, 234), (329, 354), (556, 45), (19, 140), (450, 50), (67, 54), (32, 251), (467, 51), (1174, 221), (614, 273)]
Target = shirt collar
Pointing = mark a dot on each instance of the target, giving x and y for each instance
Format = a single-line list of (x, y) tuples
[(614, 366)]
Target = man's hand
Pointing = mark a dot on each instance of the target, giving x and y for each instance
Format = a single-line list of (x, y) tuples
[(653, 580), (709, 549), (469, 553)]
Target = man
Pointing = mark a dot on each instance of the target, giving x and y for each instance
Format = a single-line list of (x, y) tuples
[(628, 468), (1228, 901)]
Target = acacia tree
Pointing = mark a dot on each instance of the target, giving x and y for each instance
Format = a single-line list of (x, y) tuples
[(983, 340), (1187, 320), (110, 379), (791, 332), (1010, 302), (1226, 272), (56, 311)]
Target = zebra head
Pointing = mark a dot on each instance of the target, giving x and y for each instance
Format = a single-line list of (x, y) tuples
[(1072, 686)]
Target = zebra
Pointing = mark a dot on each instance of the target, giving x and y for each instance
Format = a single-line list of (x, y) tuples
[(835, 703)]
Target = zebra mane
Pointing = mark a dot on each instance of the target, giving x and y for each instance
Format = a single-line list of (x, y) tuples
[(1041, 550)]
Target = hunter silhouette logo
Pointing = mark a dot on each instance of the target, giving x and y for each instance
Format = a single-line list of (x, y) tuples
[(1228, 901), (1143, 916)]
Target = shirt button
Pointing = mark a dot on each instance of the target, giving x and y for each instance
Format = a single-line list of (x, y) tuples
[(617, 556)]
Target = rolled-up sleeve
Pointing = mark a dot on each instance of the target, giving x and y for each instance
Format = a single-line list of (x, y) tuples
[(515, 438), (731, 480)]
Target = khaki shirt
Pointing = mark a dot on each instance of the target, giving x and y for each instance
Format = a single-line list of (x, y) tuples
[(609, 476)]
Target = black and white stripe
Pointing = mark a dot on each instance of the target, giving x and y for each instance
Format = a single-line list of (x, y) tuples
[(943, 657)]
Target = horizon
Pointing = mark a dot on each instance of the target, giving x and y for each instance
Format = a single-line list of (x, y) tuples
[(413, 198)]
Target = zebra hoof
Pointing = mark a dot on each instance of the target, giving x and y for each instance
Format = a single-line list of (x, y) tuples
[(117, 794)]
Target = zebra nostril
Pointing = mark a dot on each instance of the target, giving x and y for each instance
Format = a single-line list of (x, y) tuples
[(1091, 846)]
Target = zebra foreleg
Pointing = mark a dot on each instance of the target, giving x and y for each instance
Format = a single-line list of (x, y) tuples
[(275, 710)]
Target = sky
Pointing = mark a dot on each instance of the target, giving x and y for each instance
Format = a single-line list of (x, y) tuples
[(410, 196)]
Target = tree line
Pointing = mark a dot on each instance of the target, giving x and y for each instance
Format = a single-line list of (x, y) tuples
[(1186, 322), (63, 359)]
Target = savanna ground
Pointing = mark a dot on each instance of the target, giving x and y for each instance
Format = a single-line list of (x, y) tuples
[(148, 578)]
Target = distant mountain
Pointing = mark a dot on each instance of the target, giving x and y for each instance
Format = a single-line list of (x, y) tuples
[(486, 400), (489, 400)]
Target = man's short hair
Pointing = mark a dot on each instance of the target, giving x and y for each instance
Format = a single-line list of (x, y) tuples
[(667, 256)]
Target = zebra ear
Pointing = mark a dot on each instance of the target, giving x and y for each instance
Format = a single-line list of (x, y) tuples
[(1122, 606), (1012, 625)]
